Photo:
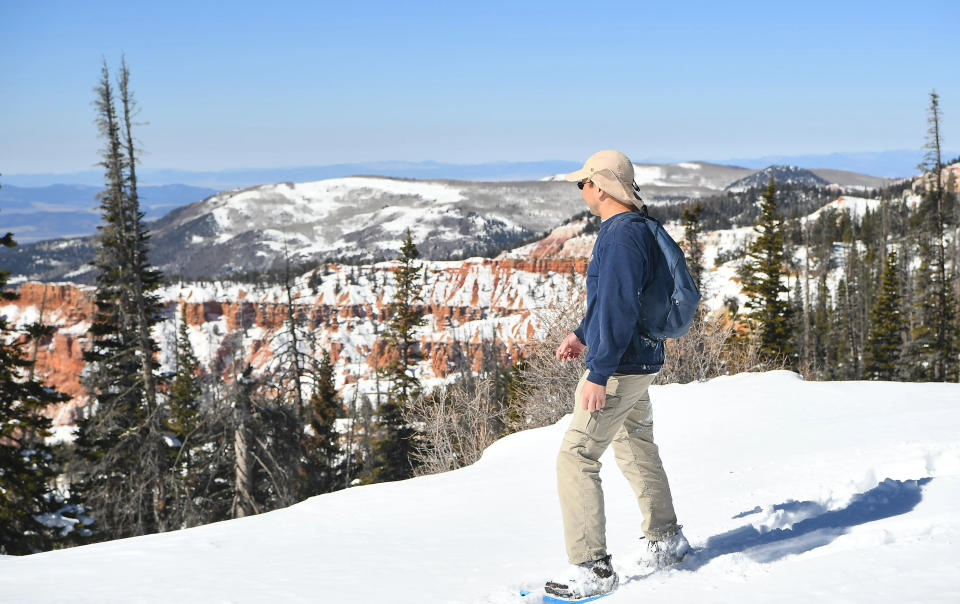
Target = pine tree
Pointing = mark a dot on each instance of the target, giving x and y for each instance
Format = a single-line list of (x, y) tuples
[(183, 431), (921, 354), (764, 281), (292, 464), (939, 313), (882, 353), (323, 467), (32, 512), (693, 244), (852, 313), (820, 328), (183, 399), (393, 449), (279, 406), (820, 252), (119, 463)]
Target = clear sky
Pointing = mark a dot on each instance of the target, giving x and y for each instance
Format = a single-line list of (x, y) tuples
[(275, 83)]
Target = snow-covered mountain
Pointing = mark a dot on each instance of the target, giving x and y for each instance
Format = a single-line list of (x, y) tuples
[(789, 175), (347, 219), (696, 179), (360, 219), (789, 491), (666, 182), (856, 206)]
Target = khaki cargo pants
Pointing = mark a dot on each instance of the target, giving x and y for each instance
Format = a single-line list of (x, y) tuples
[(627, 421)]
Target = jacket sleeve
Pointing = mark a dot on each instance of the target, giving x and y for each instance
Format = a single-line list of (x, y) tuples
[(580, 333), (617, 306)]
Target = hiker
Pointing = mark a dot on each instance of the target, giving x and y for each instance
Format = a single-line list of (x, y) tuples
[(612, 404)]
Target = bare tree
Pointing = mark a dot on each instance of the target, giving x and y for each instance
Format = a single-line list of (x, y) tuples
[(457, 422), (714, 347), (543, 389), (244, 502)]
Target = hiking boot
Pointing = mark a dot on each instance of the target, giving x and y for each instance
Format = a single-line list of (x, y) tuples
[(668, 551), (588, 579)]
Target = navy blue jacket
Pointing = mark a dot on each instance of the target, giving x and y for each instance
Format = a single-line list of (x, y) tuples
[(619, 269)]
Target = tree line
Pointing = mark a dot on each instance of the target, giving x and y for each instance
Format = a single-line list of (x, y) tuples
[(839, 296), (862, 297)]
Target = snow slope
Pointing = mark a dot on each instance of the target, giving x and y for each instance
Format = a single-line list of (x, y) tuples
[(856, 206), (356, 219), (664, 182), (791, 491)]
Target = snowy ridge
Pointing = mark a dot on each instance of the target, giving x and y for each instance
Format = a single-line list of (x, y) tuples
[(789, 491), (856, 206), (695, 179), (354, 219), (699, 179), (790, 175), (360, 219)]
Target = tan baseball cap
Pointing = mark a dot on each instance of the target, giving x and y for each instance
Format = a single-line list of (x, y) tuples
[(613, 173)]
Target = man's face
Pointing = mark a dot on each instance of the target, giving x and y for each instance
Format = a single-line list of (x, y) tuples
[(591, 195)]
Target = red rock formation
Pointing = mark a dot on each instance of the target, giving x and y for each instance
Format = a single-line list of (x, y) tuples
[(337, 328)]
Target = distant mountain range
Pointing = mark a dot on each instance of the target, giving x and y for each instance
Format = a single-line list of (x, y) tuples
[(361, 219), (237, 178), (38, 213), (887, 164)]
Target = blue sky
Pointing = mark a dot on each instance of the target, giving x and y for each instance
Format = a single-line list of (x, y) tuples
[(268, 84)]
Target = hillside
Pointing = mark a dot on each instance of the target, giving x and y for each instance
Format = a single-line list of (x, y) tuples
[(790, 492), (470, 306), (354, 220), (790, 175), (357, 219)]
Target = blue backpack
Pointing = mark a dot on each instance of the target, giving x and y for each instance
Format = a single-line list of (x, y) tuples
[(669, 301)]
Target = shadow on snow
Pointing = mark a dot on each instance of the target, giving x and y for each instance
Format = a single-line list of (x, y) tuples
[(818, 526)]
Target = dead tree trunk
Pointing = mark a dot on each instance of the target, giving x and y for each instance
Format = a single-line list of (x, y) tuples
[(244, 503)]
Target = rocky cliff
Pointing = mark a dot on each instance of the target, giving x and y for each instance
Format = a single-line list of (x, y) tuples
[(470, 306)]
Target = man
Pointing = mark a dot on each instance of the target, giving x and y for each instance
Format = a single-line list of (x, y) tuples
[(611, 400)]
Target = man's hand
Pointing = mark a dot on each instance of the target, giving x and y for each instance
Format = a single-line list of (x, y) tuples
[(594, 396), (570, 348)]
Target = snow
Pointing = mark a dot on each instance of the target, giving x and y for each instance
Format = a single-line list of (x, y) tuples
[(651, 175), (647, 175), (791, 491), (856, 206), (325, 209), (172, 441)]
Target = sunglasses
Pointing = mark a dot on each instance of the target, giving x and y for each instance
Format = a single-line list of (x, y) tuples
[(582, 182)]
